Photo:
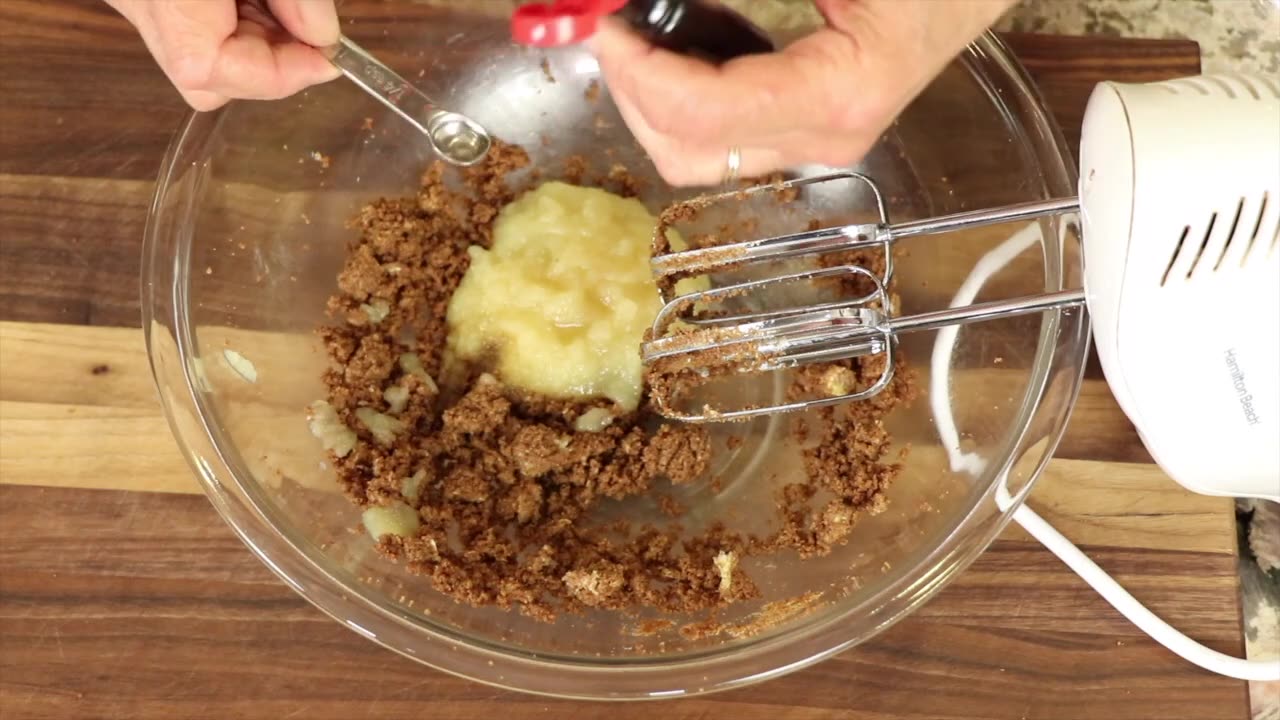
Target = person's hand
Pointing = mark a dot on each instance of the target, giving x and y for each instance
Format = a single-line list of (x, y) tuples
[(824, 99), (217, 50)]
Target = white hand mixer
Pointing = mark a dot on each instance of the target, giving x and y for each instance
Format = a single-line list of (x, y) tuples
[(1179, 201)]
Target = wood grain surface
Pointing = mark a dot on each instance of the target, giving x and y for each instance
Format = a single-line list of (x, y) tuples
[(123, 594)]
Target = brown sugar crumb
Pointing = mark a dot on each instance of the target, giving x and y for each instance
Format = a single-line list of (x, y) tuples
[(785, 195), (483, 409), (776, 613), (575, 169), (372, 361), (621, 182), (701, 630), (680, 453), (670, 507), (505, 486), (597, 585), (649, 628)]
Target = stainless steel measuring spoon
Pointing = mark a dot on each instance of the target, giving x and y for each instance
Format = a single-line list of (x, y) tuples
[(455, 137)]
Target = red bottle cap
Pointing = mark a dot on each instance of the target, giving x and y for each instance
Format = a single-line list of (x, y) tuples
[(564, 22)]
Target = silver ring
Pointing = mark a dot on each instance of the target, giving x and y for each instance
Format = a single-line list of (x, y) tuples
[(733, 167)]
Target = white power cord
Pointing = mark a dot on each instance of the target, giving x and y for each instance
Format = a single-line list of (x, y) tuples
[(1041, 530), (945, 344)]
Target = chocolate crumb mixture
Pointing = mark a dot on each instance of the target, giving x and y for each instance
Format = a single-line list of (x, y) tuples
[(503, 482)]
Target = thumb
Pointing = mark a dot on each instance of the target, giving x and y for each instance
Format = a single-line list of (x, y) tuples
[(314, 22)]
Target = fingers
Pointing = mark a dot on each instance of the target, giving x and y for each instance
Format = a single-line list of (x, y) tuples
[(684, 164), (212, 55), (251, 66), (201, 101), (189, 36), (314, 22), (782, 110)]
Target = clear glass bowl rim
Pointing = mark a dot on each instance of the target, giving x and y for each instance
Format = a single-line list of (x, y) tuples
[(419, 639)]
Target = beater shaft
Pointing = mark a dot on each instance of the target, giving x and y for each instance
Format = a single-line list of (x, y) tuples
[(841, 238), (982, 312)]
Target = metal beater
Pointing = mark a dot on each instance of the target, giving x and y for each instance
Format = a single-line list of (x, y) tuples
[(752, 342)]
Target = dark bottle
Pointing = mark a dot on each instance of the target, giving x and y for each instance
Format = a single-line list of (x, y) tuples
[(691, 27)]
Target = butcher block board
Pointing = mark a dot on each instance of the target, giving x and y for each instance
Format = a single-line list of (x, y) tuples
[(123, 595)]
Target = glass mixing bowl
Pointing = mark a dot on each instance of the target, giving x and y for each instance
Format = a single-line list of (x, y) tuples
[(247, 234)]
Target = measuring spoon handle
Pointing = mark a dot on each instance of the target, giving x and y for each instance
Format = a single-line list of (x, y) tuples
[(455, 137)]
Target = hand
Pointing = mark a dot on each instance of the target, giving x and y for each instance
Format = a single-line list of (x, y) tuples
[(217, 50), (824, 99)]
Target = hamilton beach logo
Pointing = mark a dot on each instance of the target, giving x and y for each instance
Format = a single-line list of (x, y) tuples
[(1242, 388)]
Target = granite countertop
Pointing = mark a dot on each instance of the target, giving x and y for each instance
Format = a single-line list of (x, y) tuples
[(1234, 35)]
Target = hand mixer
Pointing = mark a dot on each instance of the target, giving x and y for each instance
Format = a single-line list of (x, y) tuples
[(1179, 206)]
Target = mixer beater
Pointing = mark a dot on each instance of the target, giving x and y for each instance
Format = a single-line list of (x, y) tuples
[(688, 342)]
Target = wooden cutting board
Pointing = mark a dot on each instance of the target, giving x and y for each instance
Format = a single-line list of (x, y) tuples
[(123, 595)]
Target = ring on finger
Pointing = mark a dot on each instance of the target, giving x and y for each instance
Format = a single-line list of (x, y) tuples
[(733, 167)]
